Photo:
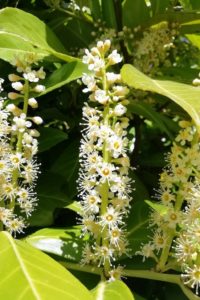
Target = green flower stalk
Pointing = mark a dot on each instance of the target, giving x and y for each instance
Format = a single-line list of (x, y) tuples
[(18, 147), (104, 185)]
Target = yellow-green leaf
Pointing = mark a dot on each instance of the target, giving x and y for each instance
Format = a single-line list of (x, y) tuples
[(21, 32), (28, 274), (188, 97), (62, 242), (116, 290)]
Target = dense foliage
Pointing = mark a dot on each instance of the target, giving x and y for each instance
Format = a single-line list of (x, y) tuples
[(106, 94)]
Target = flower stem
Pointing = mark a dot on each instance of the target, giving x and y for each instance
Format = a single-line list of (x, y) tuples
[(15, 174), (145, 274), (25, 109)]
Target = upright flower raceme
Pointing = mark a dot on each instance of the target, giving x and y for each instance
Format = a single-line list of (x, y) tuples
[(18, 147), (176, 218), (104, 185)]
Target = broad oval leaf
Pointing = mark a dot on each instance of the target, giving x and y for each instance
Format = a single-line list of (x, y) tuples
[(63, 75), (51, 195), (50, 137), (137, 227), (147, 111), (62, 242), (27, 273), (116, 290), (20, 30), (188, 97)]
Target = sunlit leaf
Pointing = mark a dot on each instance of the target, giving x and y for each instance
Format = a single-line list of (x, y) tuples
[(62, 242), (64, 75), (21, 33), (184, 95), (116, 290), (27, 273), (159, 208)]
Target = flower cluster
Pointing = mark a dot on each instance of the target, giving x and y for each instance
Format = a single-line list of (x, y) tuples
[(18, 147), (152, 51), (104, 185), (175, 219)]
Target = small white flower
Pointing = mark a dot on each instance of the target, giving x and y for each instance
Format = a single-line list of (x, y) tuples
[(101, 96), (20, 123), (120, 90), (33, 102), (90, 82), (18, 86), (39, 88), (192, 277), (37, 120), (97, 64), (111, 218), (120, 110), (16, 160), (114, 58), (112, 77), (31, 76)]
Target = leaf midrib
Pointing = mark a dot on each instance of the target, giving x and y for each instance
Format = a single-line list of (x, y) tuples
[(23, 267)]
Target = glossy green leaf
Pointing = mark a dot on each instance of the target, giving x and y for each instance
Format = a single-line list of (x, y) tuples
[(108, 12), (159, 208), (27, 273), (116, 290), (51, 194), (135, 12), (21, 32), (195, 4), (69, 167), (137, 226), (194, 38), (64, 75), (159, 7), (96, 9), (11, 46), (62, 242), (50, 137), (147, 111), (184, 95)]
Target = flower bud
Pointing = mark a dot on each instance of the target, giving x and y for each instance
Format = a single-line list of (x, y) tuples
[(39, 88), (18, 86), (14, 77), (34, 133), (33, 102), (37, 120), (13, 96)]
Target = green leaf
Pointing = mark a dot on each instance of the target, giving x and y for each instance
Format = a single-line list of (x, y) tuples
[(64, 75), (194, 38), (159, 7), (108, 12), (159, 208), (68, 167), (146, 110), (184, 95), (135, 12), (195, 4), (62, 242), (96, 9), (137, 226), (50, 137), (27, 273), (51, 195), (116, 290), (12, 46), (22, 32)]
